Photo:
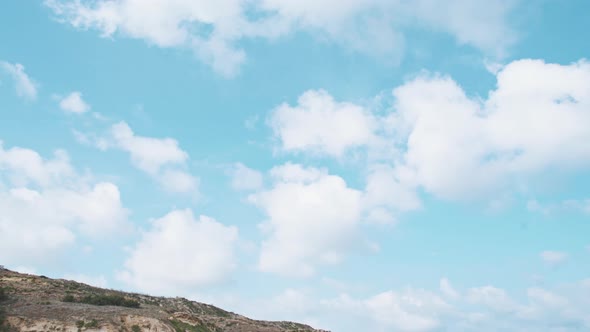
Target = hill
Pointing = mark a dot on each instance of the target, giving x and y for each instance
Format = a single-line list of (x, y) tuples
[(38, 303)]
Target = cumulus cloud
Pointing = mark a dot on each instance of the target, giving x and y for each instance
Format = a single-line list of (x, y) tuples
[(46, 205), (386, 194), (413, 310), (161, 158), (320, 124), (73, 103), (477, 309), (180, 252), (245, 178), (457, 147), (178, 181), (451, 145), (312, 220), (147, 153), (213, 30), (490, 297), (25, 87)]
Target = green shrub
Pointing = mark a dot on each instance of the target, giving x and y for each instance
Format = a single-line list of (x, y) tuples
[(80, 324), (91, 324), (116, 300), (135, 328), (68, 298), (3, 294)]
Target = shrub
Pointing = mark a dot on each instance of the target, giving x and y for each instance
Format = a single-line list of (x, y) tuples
[(3, 294), (80, 324), (116, 300), (68, 298), (135, 328), (91, 324)]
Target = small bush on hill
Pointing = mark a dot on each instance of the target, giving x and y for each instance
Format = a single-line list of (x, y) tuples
[(101, 299), (116, 300), (68, 298), (91, 324), (3, 294)]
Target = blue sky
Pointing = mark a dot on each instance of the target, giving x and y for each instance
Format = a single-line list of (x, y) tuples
[(366, 164)]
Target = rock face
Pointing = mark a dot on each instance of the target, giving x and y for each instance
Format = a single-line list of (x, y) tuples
[(37, 303)]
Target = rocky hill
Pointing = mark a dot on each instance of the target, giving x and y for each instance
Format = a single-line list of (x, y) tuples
[(37, 303)]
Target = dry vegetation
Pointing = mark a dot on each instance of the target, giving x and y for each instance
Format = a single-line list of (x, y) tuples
[(37, 303)]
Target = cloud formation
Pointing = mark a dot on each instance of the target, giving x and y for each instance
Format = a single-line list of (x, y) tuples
[(73, 103), (161, 158), (438, 139), (25, 87), (46, 205), (213, 30), (410, 309), (180, 252), (312, 220)]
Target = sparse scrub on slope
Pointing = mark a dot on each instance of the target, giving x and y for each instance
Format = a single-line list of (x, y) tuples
[(103, 299)]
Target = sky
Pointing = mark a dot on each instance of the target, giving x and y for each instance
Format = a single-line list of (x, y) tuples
[(357, 165)]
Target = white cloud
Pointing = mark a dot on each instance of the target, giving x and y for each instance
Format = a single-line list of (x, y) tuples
[(479, 309), (453, 146), (45, 206), (546, 298), (479, 23), (180, 252), (24, 85), (178, 181), (22, 167), (554, 258), (312, 220), (447, 289), (214, 29), (74, 103), (491, 297), (147, 153), (161, 158), (321, 125), (414, 310), (96, 281), (245, 178), (386, 194)]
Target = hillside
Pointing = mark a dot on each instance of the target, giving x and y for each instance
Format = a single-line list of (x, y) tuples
[(38, 303)]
